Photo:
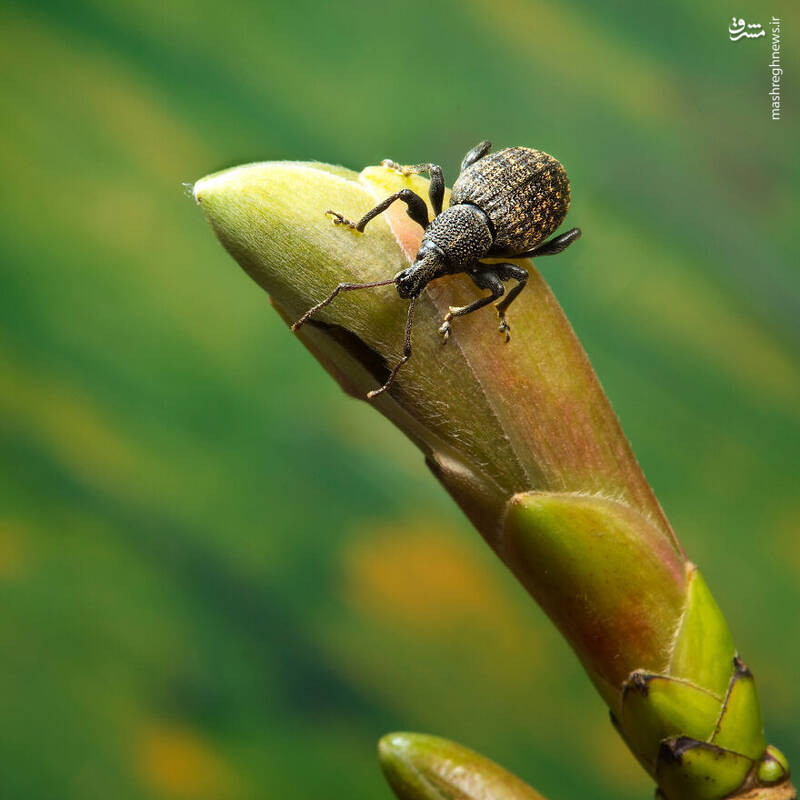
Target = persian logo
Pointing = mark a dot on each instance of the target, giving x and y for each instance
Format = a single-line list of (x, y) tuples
[(739, 29)]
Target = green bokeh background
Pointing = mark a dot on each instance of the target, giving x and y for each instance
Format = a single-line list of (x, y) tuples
[(219, 577)]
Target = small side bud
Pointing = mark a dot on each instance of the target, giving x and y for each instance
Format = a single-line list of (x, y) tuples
[(420, 767)]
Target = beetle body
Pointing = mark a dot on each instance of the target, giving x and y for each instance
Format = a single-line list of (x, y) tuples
[(523, 192), (502, 204)]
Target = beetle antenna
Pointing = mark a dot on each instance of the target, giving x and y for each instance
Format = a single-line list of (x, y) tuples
[(342, 287), (406, 353)]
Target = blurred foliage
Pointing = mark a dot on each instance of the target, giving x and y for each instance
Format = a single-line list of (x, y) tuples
[(219, 577)]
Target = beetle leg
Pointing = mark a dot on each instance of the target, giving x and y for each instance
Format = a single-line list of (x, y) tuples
[(483, 278), (507, 272), (417, 210), (553, 246), (436, 188), (476, 154)]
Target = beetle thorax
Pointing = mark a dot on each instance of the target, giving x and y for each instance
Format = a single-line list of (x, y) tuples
[(462, 233)]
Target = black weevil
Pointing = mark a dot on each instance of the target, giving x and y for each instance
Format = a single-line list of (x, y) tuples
[(503, 204)]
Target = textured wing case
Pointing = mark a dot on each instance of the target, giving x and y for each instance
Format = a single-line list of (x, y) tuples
[(524, 192)]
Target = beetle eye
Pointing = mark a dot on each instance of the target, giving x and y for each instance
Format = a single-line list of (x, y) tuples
[(405, 284)]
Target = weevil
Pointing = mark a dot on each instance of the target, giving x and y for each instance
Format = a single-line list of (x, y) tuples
[(503, 204)]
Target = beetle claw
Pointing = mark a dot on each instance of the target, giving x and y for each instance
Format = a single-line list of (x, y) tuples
[(505, 328), (339, 219), (389, 164), (445, 330)]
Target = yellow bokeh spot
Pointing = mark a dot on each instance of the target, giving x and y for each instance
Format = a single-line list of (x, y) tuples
[(419, 577), (12, 551), (177, 762)]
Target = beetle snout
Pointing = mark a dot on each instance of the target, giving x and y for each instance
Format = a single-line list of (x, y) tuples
[(407, 284)]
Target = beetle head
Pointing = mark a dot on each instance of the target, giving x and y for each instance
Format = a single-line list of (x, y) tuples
[(429, 264)]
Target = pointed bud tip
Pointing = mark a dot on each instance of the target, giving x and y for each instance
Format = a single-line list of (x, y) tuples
[(403, 761), (394, 744), (214, 183)]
